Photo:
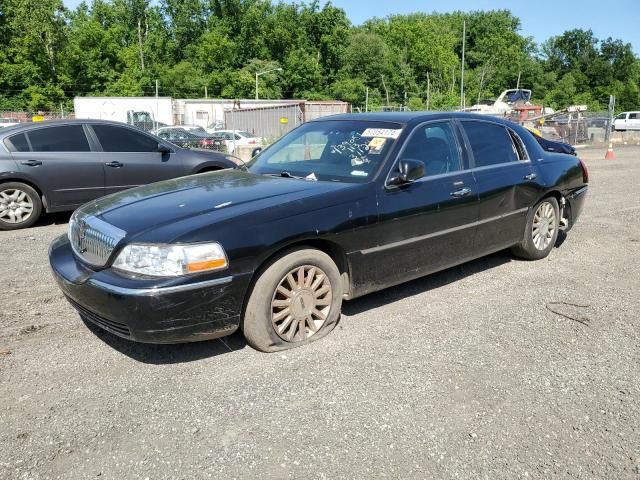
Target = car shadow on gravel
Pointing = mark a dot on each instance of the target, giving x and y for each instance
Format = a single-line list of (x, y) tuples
[(170, 353), (424, 284), (58, 218)]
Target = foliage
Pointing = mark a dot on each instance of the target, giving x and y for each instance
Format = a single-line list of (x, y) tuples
[(49, 54)]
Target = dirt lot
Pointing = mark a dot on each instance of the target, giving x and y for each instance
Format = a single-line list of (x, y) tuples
[(465, 374)]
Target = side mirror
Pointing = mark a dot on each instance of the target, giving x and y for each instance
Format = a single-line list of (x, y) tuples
[(163, 149), (409, 170), (255, 151)]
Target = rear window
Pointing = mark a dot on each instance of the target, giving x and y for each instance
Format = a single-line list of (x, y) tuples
[(65, 138), (18, 143), (246, 134), (491, 143), (122, 139)]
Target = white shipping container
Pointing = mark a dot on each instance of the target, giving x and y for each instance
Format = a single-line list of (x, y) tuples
[(123, 109)]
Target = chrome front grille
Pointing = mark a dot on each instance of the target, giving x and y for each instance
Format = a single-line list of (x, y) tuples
[(93, 240)]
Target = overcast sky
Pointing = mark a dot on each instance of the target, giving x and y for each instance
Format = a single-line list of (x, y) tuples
[(540, 18)]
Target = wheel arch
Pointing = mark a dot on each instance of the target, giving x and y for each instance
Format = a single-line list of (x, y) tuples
[(18, 179), (335, 252)]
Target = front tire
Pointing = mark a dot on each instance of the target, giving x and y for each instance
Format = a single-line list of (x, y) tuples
[(541, 231), (296, 300), (20, 206)]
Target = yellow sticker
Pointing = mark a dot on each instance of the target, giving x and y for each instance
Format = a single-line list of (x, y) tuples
[(376, 144)]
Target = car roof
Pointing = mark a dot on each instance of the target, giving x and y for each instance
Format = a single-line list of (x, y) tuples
[(410, 117), (51, 123)]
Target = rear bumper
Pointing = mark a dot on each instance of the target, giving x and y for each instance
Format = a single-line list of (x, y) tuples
[(165, 313), (576, 203)]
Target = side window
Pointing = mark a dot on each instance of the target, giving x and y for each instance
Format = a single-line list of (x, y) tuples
[(119, 139), (622, 116), (633, 116), (66, 138), (518, 145), (18, 143), (435, 145), (491, 143)]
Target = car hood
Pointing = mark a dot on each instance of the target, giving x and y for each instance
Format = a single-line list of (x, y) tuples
[(215, 196)]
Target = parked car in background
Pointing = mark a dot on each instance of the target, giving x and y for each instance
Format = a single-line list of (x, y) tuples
[(235, 138), (59, 165), (627, 121), (215, 126), (552, 145), (339, 207), (8, 122), (190, 138)]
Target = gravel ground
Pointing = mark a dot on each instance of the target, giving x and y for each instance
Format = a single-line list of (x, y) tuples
[(464, 374)]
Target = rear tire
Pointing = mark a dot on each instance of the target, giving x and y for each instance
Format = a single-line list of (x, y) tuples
[(296, 300), (20, 206), (541, 231)]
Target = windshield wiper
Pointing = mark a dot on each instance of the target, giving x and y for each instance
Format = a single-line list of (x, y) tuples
[(284, 174)]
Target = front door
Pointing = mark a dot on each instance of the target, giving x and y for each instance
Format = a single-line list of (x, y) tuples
[(131, 158), (60, 161), (429, 224)]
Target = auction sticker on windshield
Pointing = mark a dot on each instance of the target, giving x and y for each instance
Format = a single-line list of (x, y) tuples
[(381, 132), (376, 145)]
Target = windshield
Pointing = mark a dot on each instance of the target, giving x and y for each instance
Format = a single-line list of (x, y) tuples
[(246, 134), (339, 150)]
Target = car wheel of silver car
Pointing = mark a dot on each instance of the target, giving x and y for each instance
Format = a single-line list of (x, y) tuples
[(20, 206), (541, 232), (295, 300)]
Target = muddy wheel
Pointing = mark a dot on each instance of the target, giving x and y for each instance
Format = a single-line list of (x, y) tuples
[(296, 300)]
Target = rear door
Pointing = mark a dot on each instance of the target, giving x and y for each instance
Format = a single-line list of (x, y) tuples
[(59, 160), (429, 224), (507, 183), (633, 121), (131, 158)]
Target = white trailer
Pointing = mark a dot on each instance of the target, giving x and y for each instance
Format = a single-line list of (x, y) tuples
[(144, 112)]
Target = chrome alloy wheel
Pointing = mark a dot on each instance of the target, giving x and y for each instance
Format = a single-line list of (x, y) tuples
[(301, 303), (16, 206), (544, 226)]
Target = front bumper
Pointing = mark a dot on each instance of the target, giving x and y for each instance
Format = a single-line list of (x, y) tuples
[(158, 311)]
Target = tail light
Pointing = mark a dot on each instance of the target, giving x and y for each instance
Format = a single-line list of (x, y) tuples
[(585, 172), (207, 142), (252, 142)]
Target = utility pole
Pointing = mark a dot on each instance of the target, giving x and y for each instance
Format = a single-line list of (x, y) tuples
[(157, 87), (464, 35), (481, 83), (140, 45), (428, 90), (518, 82), (385, 89), (366, 101), (205, 92)]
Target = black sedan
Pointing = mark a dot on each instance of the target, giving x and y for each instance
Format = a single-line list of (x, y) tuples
[(59, 165), (338, 208)]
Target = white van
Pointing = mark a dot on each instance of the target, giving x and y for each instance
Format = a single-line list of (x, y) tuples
[(627, 121)]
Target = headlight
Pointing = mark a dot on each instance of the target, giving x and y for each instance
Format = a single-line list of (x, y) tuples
[(171, 260)]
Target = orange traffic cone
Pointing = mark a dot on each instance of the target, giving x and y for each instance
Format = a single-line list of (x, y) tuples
[(610, 155)]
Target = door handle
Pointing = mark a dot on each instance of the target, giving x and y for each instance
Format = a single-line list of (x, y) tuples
[(114, 164), (531, 176), (32, 163), (463, 192)]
